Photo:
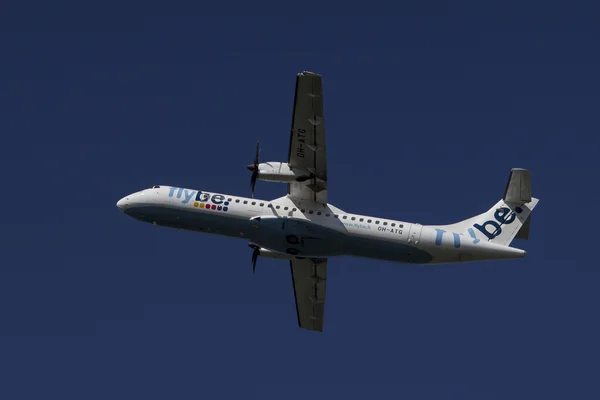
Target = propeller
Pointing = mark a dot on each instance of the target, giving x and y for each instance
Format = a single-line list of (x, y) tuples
[(254, 168), (255, 254)]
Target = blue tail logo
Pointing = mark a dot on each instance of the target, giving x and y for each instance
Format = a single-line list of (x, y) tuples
[(502, 216)]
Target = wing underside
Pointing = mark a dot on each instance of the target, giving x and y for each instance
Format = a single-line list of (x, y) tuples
[(309, 277), (307, 151)]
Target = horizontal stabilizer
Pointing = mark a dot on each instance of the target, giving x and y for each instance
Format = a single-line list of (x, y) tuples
[(518, 188)]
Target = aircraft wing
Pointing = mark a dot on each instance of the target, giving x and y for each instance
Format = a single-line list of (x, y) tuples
[(307, 139), (309, 277)]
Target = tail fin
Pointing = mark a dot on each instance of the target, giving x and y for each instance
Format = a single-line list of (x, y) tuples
[(509, 218)]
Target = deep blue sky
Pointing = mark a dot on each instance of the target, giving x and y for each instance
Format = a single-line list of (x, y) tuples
[(427, 109)]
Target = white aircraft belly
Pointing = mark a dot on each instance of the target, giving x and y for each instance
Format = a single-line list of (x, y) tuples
[(297, 236)]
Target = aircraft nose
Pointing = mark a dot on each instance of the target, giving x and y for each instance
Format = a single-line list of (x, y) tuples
[(122, 203)]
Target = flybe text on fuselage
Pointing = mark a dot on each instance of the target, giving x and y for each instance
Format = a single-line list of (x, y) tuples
[(186, 195)]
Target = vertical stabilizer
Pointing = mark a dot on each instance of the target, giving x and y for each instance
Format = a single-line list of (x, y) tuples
[(506, 220)]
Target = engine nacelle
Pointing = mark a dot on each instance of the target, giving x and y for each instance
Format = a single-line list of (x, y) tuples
[(281, 172)]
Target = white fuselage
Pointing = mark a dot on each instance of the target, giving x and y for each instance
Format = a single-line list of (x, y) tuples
[(294, 229)]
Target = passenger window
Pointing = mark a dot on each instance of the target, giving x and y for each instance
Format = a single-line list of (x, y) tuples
[(319, 213), (353, 218), (361, 220), (377, 222), (262, 204), (327, 215), (229, 199), (253, 203), (303, 211), (237, 200), (286, 208), (294, 209), (311, 212), (393, 224), (345, 216), (278, 207), (369, 221), (335, 216), (400, 226), (245, 201), (385, 223)]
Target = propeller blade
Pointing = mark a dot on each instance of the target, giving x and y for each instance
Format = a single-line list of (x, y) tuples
[(257, 155), (252, 188), (254, 168), (253, 180), (255, 254), (254, 258)]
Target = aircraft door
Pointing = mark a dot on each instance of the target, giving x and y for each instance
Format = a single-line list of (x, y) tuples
[(414, 235)]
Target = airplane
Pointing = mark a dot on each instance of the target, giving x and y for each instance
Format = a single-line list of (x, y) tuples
[(303, 228)]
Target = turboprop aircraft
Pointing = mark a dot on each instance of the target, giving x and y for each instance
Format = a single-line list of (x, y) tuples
[(303, 228)]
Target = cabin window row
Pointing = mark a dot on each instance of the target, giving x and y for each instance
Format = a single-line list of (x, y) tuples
[(285, 208)]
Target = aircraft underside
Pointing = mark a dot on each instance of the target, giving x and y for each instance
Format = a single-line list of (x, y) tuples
[(286, 237)]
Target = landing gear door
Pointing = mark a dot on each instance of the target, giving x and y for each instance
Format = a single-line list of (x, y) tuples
[(414, 235)]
